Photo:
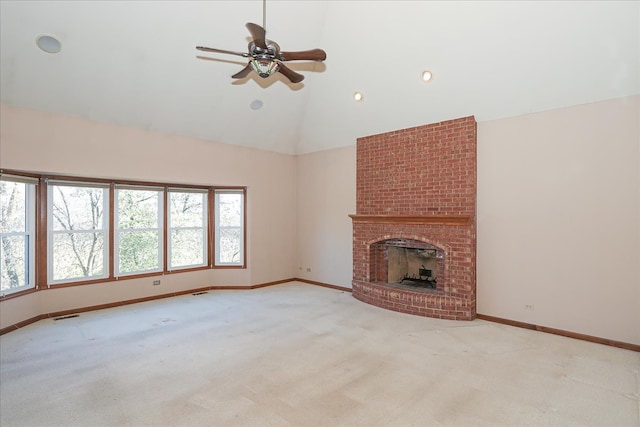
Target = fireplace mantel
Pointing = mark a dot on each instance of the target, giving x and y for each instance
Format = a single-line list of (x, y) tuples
[(414, 219)]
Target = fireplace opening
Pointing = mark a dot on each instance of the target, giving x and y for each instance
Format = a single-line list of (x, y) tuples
[(412, 267), (408, 263)]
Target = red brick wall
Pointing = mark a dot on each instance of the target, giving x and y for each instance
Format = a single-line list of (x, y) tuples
[(428, 169), (421, 172)]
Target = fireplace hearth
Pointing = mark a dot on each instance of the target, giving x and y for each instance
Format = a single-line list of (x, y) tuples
[(414, 231)]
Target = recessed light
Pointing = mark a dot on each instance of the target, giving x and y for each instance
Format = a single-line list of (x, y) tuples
[(256, 104), (48, 44), (427, 76), (358, 96)]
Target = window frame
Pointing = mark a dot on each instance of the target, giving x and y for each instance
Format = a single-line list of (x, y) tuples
[(40, 259), (106, 231), (206, 215), (42, 263), (30, 233), (216, 231), (117, 231)]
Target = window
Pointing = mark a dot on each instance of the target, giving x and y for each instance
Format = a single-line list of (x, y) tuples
[(17, 234), (229, 231), (139, 233), (187, 228), (59, 230), (78, 231)]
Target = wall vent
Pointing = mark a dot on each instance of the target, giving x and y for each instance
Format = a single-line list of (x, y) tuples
[(66, 317)]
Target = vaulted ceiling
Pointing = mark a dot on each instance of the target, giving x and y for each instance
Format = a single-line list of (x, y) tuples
[(134, 63)]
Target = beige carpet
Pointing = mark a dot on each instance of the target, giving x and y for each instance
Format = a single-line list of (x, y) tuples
[(302, 355)]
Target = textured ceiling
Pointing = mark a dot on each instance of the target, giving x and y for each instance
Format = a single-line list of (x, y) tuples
[(135, 64)]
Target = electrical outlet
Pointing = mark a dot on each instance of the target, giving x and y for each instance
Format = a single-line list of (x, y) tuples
[(156, 282), (529, 306)]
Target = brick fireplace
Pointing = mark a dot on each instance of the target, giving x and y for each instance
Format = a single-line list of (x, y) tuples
[(414, 230)]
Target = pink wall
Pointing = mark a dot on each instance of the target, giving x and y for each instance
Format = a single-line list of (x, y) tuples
[(326, 196), (559, 219), (37, 141)]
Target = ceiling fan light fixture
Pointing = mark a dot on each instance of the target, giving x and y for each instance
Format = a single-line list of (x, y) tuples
[(264, 67)]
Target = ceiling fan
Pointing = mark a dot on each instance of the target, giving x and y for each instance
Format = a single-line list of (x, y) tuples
[(265, 56)]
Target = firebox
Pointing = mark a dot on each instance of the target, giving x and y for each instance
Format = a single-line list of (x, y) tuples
[(409, 263)]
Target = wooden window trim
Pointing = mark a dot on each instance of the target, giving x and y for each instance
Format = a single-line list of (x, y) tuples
[(41, 229)]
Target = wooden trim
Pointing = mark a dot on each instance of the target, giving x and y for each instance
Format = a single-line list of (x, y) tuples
[(112, 231), (41, 207), (414, 219), (211, 224), (17, 294), (104, 280), (324, 285), (244, 225), (277, 282), (165, 229), (247, 287), (135, 301), (42, 236), (568, 334), (186, 269), (71, 178), (22, 324)]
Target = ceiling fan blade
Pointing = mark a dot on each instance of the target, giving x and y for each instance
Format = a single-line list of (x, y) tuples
[(290, 74), (211, 49), (243, 73), (308, 55), (258, 34)]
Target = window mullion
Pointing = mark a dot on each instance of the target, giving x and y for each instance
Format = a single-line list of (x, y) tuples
[(165, 233), (112, 233)]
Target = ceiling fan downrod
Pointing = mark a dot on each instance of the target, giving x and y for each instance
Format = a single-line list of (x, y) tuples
[(264, 15)]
